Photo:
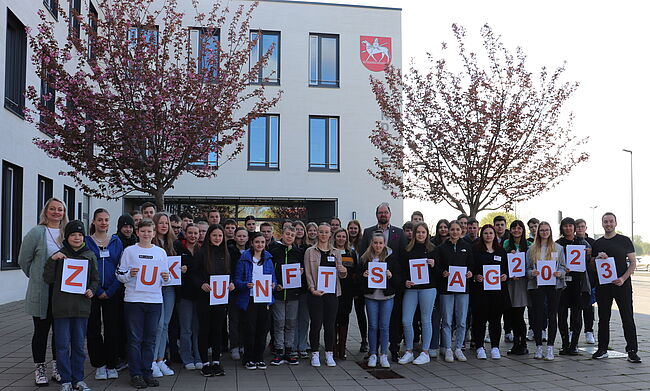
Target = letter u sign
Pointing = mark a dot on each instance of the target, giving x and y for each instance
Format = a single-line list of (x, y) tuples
[(147, 278)]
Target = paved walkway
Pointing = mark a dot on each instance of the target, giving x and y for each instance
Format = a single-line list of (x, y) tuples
[(575, 373)]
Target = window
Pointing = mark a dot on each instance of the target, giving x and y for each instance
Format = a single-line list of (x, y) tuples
[(12, 213), (44, 194), (15, 65), (68, 198), (324, 60), (149, 35), (264, 143), (85, 214), (75, 11), (93, 17), (47, 91), (211, 161), (269, 73), (323, 143), (204, 49), (53, 7)]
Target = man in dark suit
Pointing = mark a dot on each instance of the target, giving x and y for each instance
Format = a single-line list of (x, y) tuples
[(396, 241)]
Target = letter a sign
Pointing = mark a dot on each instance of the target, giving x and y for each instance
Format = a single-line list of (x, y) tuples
[(75, 276), (219, 289), (457, 279)]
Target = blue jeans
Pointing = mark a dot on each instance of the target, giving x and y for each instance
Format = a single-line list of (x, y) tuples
[(141, 324), (425, 298), (169, 298), (70, 355), (378, 323), (189, 334), (454, 307), (300, 340)]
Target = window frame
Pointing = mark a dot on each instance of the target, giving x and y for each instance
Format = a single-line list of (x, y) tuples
[(93, 17), (267, 163), (16, 43), (319, 82), (12, 221), (327, 144), (70, 201), (53, 7), (45, 191), (75, 25), (261, 52)]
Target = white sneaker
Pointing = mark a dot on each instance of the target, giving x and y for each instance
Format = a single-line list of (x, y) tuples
[(406, 358), (449, 355), (423, 358), (549, 354), (480, 354), (190, 366), (458, 353), (433, 353), (198, 366), (383, 361), (372, 361), (155, 369), (538, 352), (234, 354), (531, 335), (112, 373), (589, 336), (329, 359), (544, 336), (509, 337), (495, 353), (315, 359), (487, 339), (101, 374), (167, 371)]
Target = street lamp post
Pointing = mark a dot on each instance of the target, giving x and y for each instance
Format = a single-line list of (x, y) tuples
[(631, 192), (593, 220)]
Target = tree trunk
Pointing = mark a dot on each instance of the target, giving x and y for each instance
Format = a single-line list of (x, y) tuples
[(160, 200)]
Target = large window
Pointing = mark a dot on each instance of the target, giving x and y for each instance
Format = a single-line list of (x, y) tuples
[(75, 11), (12, 213), (269, 73), (264, 143), (48, 94), (45, 187), (323, 143), (69, 199), (204, 49), (15, 65), (53, 7), (324, 60)]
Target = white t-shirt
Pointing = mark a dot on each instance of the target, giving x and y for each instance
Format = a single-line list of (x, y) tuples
[(258, 271), (51, 236), (133, 256)]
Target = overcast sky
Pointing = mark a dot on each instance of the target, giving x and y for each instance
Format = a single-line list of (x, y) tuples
[(605, 46)]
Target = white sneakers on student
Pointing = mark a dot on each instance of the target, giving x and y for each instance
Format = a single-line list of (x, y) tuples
[(531, 335), (495, 353), (167, 371), (315, 359), (549, 354), (589, 337), (372, 361), (449, 355), (234, 354), (480, 354), (155, 369), (538, 353), (329, 359), (459, 355), (423, 358), (101, 374), (383, 361), (406, 358), (433, 353), (112, 373)]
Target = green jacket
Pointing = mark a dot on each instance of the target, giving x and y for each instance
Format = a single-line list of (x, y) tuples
[(32, 258), (70, 305)]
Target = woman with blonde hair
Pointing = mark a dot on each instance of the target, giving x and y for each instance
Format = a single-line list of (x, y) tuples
[(164, 238), (37, 246), (544, 248), (312, 234)]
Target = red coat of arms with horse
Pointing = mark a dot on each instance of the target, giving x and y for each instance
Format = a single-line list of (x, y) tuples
[(375, 52)]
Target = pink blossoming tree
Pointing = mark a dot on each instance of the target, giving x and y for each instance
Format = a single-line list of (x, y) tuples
[(479, 136), (138, 101)]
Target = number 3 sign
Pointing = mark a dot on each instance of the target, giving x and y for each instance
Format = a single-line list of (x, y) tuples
[(606, 269)]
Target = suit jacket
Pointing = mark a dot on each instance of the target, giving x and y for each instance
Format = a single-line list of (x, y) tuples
[(396, 240)]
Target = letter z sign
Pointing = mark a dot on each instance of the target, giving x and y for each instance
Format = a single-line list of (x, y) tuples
[(75, 276)]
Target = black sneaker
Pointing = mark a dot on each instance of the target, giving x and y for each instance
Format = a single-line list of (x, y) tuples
[(633, 357), (304, 354), (600, 354), (138, 382), (364, 347), (217, 370), (261, 365), (564, 351), (573, 351), (290, 357), (278, 358), (151, 382), (250, 365), (207, 370)]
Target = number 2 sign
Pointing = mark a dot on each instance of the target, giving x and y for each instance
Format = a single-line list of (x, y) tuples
[(606, 269), (517, 264), (576, 256)]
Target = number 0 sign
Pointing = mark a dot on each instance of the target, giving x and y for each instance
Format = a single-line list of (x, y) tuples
[(546, 274), (576, 256), (516, 264), (606, 269)]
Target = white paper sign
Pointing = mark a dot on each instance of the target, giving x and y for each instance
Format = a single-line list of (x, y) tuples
[(148, 278), (576, 257), (491, 277), (419, 271), (174, 266), (457, 281), (516, 264), (291, 276), (75, 276), (606, 269), (219, 289), (546, 274), (327, 279), (263, 289), (377, 275)]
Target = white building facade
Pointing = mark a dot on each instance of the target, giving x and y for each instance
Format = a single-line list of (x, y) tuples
[(307, 158)]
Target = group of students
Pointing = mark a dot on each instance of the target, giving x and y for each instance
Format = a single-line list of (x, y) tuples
[(123, 321)]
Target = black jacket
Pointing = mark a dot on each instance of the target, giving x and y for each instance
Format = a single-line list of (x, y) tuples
[(393, 285), (396, 240), (449, 254), (482, 258), (200, 275), (420, 251), (283, 255), (187, 290)]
